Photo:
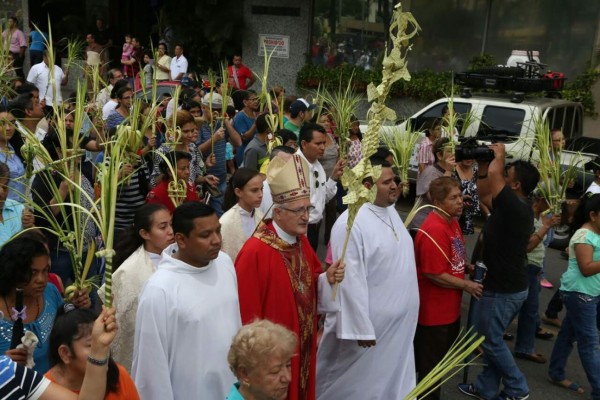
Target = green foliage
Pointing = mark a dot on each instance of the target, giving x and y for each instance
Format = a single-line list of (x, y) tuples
[(580, 89), (424, 85), (427, 85), (482, 60)]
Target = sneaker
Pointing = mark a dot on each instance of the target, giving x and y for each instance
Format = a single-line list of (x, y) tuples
[(504, 396), (546, 283), (469, 390)]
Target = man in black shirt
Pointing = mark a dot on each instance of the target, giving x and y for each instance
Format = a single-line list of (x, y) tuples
[(505, 238)]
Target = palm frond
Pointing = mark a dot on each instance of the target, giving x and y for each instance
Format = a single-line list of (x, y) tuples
[(451, 364), (402, 143), (345, 102)]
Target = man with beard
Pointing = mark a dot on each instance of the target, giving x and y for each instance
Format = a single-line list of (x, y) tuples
[(187, 314), (367, 344)]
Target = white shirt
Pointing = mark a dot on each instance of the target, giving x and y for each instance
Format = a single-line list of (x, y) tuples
[(178, 65), (103, 97), (40, 134), (109, 108), (39, 75), (170, 108), (186, 319), (594, 188), (266, 206), (321, 192)]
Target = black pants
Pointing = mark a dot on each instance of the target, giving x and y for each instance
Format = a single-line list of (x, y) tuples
[(18, 64), (431, 345), (36, 57), (312, 234), (330, 217), (554, 306)]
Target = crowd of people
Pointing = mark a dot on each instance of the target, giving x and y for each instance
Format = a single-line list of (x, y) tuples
[(219, 291)]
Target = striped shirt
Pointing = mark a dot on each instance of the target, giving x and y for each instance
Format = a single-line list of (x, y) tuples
[(425, 154), (20, 383), (131, 194)]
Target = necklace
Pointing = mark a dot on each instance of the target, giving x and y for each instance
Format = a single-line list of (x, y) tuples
[(390, 225)]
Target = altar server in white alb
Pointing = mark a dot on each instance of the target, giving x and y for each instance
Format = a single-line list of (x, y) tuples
[(367, 346), (188, 312)]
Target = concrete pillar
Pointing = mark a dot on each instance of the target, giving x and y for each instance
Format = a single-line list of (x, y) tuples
[(260, 19)]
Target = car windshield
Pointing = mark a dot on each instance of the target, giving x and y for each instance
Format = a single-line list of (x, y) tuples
[(501, 122)]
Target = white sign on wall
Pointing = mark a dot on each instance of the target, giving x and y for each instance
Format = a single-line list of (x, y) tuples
[(280, 43)]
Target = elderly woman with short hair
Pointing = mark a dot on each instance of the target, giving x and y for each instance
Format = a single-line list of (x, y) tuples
[(260, 357)]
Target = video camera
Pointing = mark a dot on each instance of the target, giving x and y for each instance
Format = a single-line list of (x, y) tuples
[(470, 149)]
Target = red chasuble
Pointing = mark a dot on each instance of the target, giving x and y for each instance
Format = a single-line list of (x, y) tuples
[(278, 281)]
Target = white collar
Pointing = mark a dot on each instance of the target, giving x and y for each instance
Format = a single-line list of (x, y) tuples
[(284, 235), (312, 164), (174, 264), (245, 213)]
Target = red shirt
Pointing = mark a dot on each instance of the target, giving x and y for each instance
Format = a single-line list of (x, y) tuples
[(242, 73), (439, 305), (160, 195)]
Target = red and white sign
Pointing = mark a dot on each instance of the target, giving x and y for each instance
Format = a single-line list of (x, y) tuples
[(278, 44)]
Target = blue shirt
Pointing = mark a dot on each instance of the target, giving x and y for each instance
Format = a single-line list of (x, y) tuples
[(220, 168), (242, 123), (11, 216), (114, 119), (41, 327), (16, 184), (573, 280), (38, 41), (234, 393)]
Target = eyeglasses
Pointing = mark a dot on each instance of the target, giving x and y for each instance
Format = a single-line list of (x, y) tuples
[(298, 211)]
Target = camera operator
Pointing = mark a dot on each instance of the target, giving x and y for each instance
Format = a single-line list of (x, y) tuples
[(505, 238)]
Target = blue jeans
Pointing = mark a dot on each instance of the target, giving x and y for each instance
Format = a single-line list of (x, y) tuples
[(497, 310), (529, 316), (578, 326), (217, 202)]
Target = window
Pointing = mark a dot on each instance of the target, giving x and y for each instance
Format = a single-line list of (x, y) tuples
[(501, 121), (436, 112)]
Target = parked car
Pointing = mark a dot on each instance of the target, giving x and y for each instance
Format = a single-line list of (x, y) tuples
[(510, 120), (161, 88)]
